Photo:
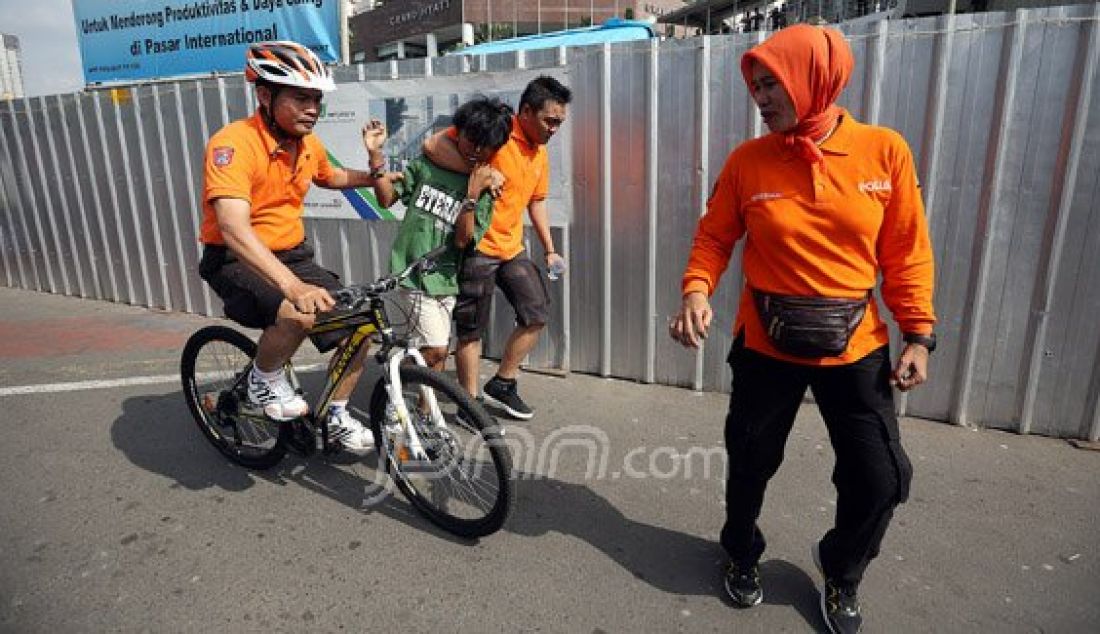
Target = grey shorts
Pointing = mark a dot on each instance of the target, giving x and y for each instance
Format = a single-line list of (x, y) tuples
[(250, 300), (520, 280)]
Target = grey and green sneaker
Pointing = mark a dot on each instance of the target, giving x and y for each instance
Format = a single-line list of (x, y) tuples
[(839, 602), (743, 585)]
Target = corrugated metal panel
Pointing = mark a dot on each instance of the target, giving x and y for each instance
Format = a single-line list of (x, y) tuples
[(31, 203), (1002, 112), (115, 178), (95, 199), (44, 193), (53, 131), (1061, 371), (629, 216), (75, 207), (585, 281), (677, 195), (16, 234)]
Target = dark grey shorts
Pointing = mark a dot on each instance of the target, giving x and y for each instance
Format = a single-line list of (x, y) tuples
[(519, 278), (250, 300)]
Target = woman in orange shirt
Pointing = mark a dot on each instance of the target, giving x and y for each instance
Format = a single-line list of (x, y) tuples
[(826, 206)]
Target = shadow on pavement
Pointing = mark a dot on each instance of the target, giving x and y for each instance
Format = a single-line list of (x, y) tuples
[(157, 434), (786, 584), (668, 560)]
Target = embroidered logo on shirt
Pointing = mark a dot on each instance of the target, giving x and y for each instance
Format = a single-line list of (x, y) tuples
[(870, 187), (765, 196), (223, 156)]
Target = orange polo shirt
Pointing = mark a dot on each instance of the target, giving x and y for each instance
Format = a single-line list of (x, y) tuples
[(826, 232), (243, 160), (526, 169)]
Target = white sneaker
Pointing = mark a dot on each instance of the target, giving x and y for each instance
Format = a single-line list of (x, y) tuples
[(351, 433), (278, 400)]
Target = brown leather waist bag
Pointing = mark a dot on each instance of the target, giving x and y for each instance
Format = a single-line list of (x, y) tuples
[(810, 327)]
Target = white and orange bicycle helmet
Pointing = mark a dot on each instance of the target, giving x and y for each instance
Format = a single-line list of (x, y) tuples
[(287, 64)]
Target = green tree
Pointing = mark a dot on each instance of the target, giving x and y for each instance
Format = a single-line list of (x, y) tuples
[(493, 32)]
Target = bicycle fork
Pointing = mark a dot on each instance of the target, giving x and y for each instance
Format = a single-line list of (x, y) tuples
[(394, 388)]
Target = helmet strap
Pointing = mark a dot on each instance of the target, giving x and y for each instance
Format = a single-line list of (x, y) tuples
[(277, 131)]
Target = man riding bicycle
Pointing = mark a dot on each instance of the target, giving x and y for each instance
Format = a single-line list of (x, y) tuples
[(256, 174)]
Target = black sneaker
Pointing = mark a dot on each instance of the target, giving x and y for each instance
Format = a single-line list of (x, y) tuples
[(504, 393), (839, 603), (743, 585)]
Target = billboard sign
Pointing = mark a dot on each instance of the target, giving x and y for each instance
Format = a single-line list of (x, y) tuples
[(134, 40)]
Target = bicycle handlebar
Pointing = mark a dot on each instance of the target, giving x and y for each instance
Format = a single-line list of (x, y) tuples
[(351, 297)]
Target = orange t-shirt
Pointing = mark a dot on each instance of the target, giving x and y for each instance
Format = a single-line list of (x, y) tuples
[(826, 232), (244, 161), (526, 169)]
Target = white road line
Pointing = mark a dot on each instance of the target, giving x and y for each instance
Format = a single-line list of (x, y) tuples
[(75, 386)]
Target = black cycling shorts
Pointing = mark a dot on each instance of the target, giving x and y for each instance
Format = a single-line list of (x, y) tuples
[(252, 301), (519, 278)]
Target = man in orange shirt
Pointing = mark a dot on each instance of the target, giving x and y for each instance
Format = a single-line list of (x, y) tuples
[(256, 173), (826, 205), (499, 258)]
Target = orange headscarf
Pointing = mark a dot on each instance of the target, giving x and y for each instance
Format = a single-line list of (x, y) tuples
[(813, 64)]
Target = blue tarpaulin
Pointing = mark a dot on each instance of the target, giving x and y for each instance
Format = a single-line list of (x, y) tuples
[(614, 30)]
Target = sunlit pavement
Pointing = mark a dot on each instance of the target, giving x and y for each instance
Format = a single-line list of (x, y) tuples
[(116, 514)]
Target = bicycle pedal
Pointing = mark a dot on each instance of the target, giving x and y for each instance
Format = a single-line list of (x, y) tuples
[(303, 449), (301, 445)]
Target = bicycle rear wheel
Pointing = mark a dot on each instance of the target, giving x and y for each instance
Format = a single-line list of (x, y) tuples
[(465, 485), (213, 370)]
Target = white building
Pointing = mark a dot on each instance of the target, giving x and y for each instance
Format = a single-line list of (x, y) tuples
[(11, 68)]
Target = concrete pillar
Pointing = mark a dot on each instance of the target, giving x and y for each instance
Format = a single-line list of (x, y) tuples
[(401, 49), (432, 45), (467, 34)]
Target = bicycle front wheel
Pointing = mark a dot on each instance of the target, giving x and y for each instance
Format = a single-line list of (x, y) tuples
[(463, 480), (214, 369)]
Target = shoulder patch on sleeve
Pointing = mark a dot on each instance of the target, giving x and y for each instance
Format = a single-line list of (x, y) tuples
[(223, 156)]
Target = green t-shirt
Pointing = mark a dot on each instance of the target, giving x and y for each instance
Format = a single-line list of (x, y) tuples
[(433, 197)]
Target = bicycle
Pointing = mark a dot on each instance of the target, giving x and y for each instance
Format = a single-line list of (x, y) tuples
[(432, 437)]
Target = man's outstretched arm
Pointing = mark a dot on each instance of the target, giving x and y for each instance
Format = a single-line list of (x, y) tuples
[(442, 150)]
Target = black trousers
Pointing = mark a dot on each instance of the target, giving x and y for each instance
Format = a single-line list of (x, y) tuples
[(871, 474)]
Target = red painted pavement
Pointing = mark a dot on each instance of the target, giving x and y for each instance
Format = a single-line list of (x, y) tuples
[(75, 335)]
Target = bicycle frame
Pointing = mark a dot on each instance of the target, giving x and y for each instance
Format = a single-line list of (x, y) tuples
[(391, 354)]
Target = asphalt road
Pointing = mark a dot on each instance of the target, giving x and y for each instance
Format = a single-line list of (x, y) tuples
[(116, 515)]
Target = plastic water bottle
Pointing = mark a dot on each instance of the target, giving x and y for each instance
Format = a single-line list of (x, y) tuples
[(555, 270)]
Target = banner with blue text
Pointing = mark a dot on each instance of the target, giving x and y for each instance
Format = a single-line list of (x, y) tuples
[(134, 40)]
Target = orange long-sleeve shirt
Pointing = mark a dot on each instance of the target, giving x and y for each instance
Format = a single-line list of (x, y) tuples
[(829, 230)]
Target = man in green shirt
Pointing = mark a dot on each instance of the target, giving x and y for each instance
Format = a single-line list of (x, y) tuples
[(445, 207)]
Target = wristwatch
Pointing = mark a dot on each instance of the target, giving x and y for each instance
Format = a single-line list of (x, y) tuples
[(928, 341)]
